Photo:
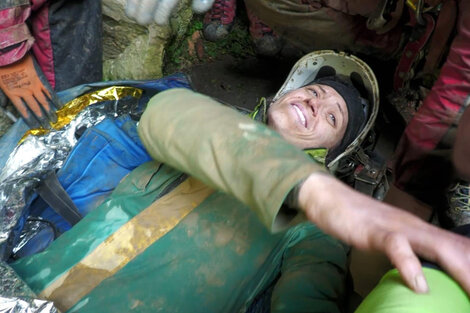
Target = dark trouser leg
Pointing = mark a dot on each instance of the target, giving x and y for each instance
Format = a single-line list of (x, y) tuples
[(69, 42)]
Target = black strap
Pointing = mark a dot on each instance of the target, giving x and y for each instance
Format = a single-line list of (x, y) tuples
[(370, 176), (52, 192)]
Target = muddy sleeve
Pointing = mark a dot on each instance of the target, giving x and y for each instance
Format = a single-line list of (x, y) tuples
[(226, 150), (15, 37)]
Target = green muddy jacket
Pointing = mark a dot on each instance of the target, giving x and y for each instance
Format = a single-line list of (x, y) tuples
[(169, 242)]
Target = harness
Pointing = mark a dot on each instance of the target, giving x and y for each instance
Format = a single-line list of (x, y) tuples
[(431, 29)]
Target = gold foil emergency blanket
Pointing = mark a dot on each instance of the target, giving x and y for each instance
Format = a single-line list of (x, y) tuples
[(70, 110)]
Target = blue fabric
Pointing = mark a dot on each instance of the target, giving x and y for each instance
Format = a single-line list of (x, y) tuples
[(103, 155)]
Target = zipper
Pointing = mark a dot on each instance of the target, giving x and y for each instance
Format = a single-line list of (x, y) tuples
[(171, 185)]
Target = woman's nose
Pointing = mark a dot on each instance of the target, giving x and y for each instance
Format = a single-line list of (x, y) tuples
[(312, 105)]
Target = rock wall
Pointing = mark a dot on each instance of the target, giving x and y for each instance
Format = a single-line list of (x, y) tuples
[(132, 51)]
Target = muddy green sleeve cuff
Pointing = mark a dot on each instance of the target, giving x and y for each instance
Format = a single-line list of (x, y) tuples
[(391, 295), (225, 149)]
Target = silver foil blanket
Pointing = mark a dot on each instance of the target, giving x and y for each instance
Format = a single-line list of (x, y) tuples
[(16, 297)]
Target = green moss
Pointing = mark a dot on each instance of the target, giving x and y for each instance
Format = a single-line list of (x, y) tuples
[(237, 44), (196, 25), (182, 20)]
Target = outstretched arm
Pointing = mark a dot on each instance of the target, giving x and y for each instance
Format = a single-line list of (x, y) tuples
[(232, 153), (225, 149)]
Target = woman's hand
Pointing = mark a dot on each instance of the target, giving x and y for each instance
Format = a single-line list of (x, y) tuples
[(368, 224)]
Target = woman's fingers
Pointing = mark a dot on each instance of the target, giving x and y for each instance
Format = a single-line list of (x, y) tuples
[(452, 253), (398, 249)]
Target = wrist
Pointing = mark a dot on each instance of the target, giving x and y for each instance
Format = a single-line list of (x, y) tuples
[(313, 192)]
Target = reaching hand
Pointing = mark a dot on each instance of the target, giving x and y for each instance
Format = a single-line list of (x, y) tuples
[(146, 11), (368, 224), (22, 85)]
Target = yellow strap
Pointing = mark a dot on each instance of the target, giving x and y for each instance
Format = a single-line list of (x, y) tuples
[(125, 244)]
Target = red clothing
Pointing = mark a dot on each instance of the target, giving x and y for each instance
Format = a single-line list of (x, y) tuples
[(418, 147), (16, 38), (64, 37)]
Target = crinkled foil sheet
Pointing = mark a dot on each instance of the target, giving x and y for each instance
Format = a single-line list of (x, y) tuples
[(16, 297), (39, 152), (30, 229)]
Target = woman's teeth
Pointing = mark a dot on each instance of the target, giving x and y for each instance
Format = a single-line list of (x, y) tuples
[(301, 115)]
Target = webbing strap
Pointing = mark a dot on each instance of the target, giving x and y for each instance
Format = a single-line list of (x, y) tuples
[(52, 192), (411, 52)]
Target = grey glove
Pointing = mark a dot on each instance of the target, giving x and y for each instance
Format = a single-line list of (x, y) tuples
[(146, 11)]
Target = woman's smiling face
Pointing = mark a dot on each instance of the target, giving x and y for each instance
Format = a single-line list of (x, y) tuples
[(314, 116)]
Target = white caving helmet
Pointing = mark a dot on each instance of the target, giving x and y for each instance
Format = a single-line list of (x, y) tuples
[(324, 63)]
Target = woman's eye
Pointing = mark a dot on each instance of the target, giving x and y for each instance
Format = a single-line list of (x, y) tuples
[(314, 92), (332, 119)]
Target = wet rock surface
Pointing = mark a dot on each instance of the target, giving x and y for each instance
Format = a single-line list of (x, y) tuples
[(132, 51), (239, 82)]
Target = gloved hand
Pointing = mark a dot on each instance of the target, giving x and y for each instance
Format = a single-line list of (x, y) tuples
[(21, 84), (144, 11)]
